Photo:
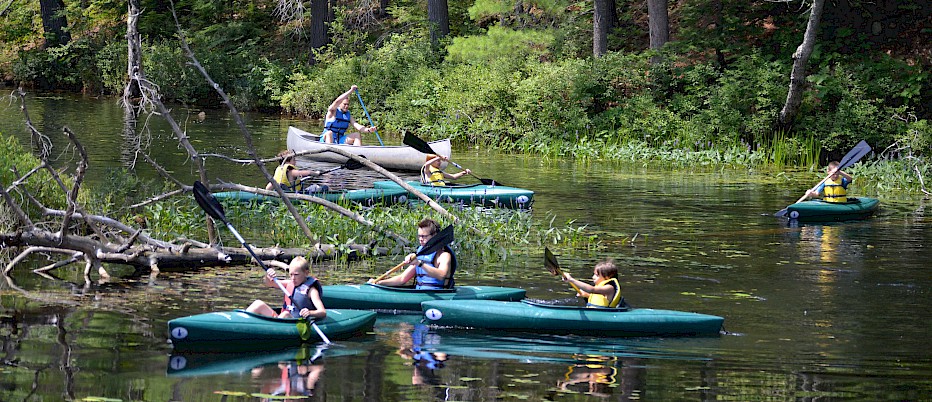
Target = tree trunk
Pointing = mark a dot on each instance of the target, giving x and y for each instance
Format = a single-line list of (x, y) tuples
[(658, 23), (54, 23), (133, 53), (800, 60), (320, 16), (383, 8), (601, 25), (439, 16)]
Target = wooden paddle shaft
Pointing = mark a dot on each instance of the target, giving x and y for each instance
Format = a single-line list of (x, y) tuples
[(389, 272)]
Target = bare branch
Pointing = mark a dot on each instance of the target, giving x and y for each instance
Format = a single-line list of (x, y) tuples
[(23, 178), (246, 136), (16, 209), (39, 140), (78, 179), (164, 173)]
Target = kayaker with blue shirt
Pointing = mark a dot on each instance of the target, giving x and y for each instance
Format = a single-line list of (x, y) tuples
[(430, 271), (834, 188), (338, 120), (606, 292), (303, 290)]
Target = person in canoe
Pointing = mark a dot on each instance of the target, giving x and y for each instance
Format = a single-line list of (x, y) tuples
[(835, 188), (606, 291), (430, 271), (304, 293), (291, 178), (338, 120), (431, 173)]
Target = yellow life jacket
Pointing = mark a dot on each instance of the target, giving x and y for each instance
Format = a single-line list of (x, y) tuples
[(434, 176), (834, 191), (281, 176), (597, 300)]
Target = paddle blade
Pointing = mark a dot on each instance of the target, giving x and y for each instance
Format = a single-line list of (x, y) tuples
[(781, 213), (439, 241), (207, 202), (551, 263), (490, 182), (413, 141), (854, 155), (353, 164)]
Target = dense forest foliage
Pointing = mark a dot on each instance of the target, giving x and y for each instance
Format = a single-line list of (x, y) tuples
[(521, 76)]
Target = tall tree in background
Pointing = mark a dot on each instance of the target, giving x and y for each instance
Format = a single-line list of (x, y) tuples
[(800, 61), (320, 17), (54, 23), (603, 15), (658, 23), (133, 51), (438, 15)]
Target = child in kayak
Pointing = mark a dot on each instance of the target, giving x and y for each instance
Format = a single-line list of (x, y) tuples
[(431, 173), (290, 177), (304, 293), (606, 292), (835, 188)]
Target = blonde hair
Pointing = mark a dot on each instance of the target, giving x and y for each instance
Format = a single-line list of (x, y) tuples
[(301, 263), (286, 155)]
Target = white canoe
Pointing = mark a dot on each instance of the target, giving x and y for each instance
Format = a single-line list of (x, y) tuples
[(394, 157)]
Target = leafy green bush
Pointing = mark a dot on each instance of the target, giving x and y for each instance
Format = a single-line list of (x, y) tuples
[(41, 185)]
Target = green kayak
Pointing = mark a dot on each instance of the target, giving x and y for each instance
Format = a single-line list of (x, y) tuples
[(239, 330), (368, 196), (378, 297), (475, 194), (821, 211), (527, 316)]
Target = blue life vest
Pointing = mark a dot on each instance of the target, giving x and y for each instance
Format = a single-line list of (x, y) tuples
[(299, 295), (338, 126), (425, 281)]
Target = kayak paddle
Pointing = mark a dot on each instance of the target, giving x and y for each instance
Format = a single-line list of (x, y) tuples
[(350, 164), (371, 123), (437, 242), (850, 158), (413, 141), (213, 208), (554, 267)]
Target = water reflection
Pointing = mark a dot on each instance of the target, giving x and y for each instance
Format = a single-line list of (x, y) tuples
[(415, 343)]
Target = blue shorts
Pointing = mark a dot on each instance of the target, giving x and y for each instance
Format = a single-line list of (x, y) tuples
[(337, 139)]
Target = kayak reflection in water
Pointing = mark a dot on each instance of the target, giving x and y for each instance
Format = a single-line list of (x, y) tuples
[(425, 364), (596, 374), (299, 376)]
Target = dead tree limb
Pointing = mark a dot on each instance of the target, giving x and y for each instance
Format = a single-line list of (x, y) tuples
[(246, 136)]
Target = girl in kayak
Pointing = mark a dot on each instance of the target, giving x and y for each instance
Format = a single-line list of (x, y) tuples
[(431, 173), (606, 292), (304, 293), (835, 188), (291, 178)]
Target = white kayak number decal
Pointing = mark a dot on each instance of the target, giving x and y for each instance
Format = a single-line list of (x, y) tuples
[(794, 214), (180, 333), (522, 199), (433, 314), (178, 362)]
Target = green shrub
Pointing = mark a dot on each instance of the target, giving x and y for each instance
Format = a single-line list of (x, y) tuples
[(41, 185)]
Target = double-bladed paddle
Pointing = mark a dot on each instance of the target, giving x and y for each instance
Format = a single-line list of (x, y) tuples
[(550, 261), (350, 164), (213, 208), (415, 142), (854, 155), (437, 242)]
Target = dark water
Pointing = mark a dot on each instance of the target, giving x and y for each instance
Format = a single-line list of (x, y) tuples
[(814, 312)]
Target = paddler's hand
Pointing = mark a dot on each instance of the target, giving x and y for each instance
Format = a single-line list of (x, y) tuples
[(304, 313), (410, 259), (270, 274), (372, 281)]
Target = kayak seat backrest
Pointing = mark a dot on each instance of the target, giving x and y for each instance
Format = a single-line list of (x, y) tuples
[(622, 307)]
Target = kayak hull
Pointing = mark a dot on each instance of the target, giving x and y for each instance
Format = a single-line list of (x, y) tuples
[(821, 211), (377, 297), (392, 157), (532, 317), (474, 194), (365, 197), (240, 330)]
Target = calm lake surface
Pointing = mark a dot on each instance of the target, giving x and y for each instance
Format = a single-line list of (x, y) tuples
[(812, 312)]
